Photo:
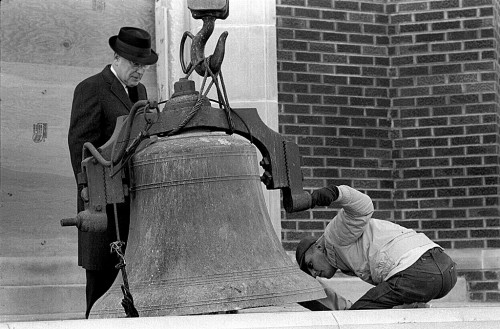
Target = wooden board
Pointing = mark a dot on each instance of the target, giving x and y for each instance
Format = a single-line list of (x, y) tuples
[(68, 32), (47, 47)]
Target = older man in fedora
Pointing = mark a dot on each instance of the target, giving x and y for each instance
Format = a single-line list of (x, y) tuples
[(97, 102)]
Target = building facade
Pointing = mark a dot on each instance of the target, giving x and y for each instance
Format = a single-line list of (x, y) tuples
[(399, 99)]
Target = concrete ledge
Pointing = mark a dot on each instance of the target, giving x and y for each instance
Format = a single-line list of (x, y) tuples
[(53, 288), (67, 301), (353, 288), (41, 317), (479, 318), (26, 300), (46, 288), (26, 271), (475, 259)]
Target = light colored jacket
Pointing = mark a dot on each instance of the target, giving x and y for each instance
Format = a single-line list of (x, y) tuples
[(369, 248)]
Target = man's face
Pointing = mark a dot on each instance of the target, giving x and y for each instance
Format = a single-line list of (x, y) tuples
[(128, 72), (317, 263)]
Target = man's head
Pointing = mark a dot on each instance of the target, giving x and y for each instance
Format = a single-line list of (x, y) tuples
[(311, 257), (133, 54)]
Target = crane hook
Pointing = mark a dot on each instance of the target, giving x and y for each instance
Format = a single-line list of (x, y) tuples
[(208, 12)]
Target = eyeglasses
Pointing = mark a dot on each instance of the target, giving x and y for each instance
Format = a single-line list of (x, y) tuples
[(138, 66)]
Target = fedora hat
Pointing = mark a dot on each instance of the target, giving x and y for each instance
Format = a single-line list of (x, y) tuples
[(134, 44)]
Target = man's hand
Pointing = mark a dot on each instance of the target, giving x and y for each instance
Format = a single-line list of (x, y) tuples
[(324, 196)]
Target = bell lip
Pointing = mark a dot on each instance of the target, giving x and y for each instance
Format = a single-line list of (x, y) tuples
[(105, 308)]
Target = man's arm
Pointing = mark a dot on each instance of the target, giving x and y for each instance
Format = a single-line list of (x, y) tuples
[(333, 301), (85, 122), (350, 222)]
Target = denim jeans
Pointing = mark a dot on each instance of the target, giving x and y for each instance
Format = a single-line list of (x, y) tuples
[(432, 276)]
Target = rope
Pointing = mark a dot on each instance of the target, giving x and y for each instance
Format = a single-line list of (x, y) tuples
[(191, 114), (116, 247)]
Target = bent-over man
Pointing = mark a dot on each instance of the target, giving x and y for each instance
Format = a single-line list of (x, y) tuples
[(404, 266)]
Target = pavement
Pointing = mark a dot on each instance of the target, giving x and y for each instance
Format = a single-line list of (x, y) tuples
[(443, 318)]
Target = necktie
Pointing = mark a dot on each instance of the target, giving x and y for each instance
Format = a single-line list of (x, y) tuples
[(132, 94)]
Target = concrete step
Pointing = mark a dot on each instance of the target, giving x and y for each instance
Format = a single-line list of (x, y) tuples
[(53, 288), (48, 288), (49, 302), (353, 288), (27, 271)]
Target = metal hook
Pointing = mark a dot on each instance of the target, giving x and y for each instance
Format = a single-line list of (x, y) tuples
[(212, 11)]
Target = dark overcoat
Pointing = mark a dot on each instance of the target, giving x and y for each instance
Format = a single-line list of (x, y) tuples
[(97, 102)]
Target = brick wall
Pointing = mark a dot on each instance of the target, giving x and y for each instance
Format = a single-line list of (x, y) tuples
[(399, 99), (445, 117)]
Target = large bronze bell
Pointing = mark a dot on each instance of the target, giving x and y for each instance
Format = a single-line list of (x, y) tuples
[(200, 238)]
